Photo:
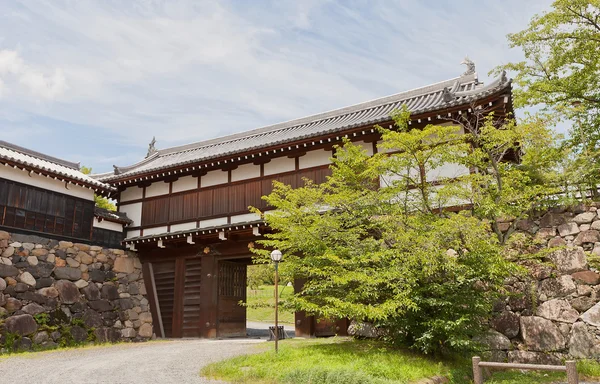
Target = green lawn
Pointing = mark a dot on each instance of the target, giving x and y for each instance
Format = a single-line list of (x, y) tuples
[(343, 361), (261, 304)]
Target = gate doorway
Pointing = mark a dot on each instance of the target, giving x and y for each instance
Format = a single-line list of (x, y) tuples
[(231, 316)]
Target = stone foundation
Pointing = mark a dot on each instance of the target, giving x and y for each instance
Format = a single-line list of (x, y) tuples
[(58, 293), (554, 313)]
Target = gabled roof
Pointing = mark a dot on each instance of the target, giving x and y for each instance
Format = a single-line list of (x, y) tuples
[(458, 91), (114, 216), (16, 156)]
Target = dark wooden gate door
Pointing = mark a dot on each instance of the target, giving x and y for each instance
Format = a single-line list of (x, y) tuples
[(164, 281), (231, 317), (177, 285)]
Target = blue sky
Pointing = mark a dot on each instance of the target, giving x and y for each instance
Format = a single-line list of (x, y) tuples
[(93, 81)]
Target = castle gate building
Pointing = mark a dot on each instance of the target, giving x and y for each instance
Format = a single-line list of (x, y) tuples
[(189, 204)]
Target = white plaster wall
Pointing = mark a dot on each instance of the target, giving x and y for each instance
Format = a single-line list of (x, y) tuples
[(280, 165), (246, 171), (213, 222), (448, 170), (185, 184), (134, 212), (245, 217), (387, 180), (157, 189), (105, 224), (213, 178), (315, 158), (132, 193), (50, 184), (155, 230), (366, 146), (183, 226), (133, 233)]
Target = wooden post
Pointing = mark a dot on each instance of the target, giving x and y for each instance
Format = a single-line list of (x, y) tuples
[(571, 372), (477, 374)]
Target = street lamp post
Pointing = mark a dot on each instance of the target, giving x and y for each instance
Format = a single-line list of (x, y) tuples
[(276, 257)]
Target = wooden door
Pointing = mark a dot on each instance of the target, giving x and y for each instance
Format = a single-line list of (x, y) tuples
[(192, 298), (164, 281), (231, 317)]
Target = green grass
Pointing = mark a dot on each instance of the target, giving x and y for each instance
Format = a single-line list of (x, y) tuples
[(261, 304), (341, 361)]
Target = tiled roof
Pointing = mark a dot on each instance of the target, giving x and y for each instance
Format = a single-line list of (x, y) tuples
[(114, 216), (454, 92), (31, 160)]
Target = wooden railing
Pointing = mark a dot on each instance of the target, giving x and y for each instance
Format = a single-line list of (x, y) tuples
[(570, 368)]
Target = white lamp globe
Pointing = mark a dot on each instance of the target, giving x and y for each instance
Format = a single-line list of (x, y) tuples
[(276, 256)]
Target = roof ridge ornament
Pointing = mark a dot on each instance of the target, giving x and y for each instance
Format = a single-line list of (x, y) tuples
[(151, 149), (447, 96), (470, 66)]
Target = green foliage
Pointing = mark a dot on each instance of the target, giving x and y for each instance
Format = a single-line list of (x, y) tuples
[(561, 73), (101, 202), (78, 322), (261, 304), (42, 319), (260, 274), (393, 255), (10, 341)]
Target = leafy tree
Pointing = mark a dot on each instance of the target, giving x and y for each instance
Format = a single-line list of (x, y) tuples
[(376, 241), (561, 73), (101, 202)]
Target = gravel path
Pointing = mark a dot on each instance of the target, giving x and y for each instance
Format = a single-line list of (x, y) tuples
[(171, 361)]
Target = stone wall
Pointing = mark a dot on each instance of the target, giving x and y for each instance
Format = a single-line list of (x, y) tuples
[(554, 312), (59, 293)]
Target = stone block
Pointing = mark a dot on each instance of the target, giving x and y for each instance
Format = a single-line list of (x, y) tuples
[(32, 260), (582, 303), (42, 269), (41, 337), (27, 279), (128, 333), (79, 334), (12, 305), (67, 291), (541, 334), (146, 317), (568, 229), (4, 235), (586, 277), (110, 292), (506, 323), (92, 319), (569, 260), (91, 292), (85, 258), (493, 340), (592, 316), (2, 284), (528, 357), (33, 309), (583, 343), (100, 305), (8, 252), (39, 252), (81, 283), (123, 265), (552, 219), (21, 324), (48, 292), (145, 330), (8, 271), (557, 287), (585, 217), (67, 273), (586, 237), (97, 275), (558, 310), (72, 262)]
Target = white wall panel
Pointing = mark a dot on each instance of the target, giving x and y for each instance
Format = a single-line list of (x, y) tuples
[(105, 224), (183, 227), (155, 230), (185, 184), (315, 158), (246, 171), (213, 178), (448, 170), (132, 233), (280, 165), (134, 212), (157, 189), (366, 146), (245, 217), (44, 182), (132, 193), (213, 222)]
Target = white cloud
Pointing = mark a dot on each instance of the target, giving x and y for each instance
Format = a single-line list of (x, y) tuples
[(15, 72), (192, 70)]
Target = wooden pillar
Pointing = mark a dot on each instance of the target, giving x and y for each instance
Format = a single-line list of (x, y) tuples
[(208, 291), (152, 299), (305, 325), (178, 297)]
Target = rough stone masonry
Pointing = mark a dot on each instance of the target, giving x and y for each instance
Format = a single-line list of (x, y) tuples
[(554, 312), (60, 293)]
